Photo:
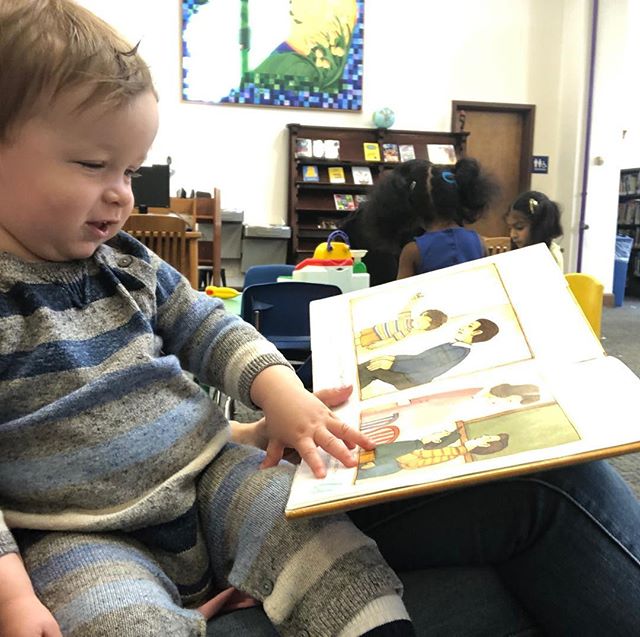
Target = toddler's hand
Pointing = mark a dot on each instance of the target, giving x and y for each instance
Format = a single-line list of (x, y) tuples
[(296, 418), (26, 616)]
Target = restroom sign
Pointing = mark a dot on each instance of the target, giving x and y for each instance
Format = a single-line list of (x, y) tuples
[(540, 164)]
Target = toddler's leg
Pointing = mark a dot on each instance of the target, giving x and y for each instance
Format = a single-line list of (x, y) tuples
[(315, 576), (105, 586)]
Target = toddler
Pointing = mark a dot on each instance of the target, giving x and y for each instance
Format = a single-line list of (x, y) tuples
[(119, 489)]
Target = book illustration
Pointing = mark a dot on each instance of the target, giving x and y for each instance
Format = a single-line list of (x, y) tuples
[(510, 379), (359, 200), (344, 202), (318, 148), (407, 152), (304, 147), (444, 154), (371, 151), (413, 355), (310, 173), (332, 149), (499, 434), (336, 174), (401, 326), (361, 175), (390, 153)]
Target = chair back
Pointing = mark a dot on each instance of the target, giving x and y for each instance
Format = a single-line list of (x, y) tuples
[(266, 273), (163, 234), (588, 292), (280, 312), (497, 245)]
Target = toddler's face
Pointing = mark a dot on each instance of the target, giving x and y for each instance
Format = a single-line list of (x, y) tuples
[(65, 177), (519, 228)]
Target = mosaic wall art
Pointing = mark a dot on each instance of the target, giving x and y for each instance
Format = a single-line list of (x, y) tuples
[(287, 53)]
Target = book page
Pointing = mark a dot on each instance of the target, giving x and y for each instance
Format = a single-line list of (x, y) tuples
[(482, 369)]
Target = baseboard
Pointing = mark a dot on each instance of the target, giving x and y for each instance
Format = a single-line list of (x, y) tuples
[(608, 299)]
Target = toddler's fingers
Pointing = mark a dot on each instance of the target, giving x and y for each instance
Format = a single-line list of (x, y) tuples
[(309, 453), (334, 396), (275, 451), (335, 447), (350, 435)]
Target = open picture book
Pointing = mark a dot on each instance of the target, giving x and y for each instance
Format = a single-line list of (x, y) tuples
[(480, 371)]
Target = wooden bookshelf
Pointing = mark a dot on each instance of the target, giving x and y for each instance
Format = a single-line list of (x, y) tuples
[(312, 212)]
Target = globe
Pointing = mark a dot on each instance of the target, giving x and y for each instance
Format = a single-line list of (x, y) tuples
[(384, 117)]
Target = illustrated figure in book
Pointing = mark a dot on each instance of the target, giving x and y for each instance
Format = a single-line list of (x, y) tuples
[(414, 454), (408, 370), (404, 325)]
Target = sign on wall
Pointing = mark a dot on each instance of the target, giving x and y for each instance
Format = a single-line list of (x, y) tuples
[(288, 53), (540, 164)]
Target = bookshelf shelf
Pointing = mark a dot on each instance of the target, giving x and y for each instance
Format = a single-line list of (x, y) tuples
[(629, 218), (312, 202)]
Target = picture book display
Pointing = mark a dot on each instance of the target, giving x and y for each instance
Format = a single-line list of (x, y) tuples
[(441, 154), (304, 147), (344, 202), (332, 149), (362, 175), (407, 152), (371, 151), (476, 372), (390, 153), (336, 174), (310, 173)]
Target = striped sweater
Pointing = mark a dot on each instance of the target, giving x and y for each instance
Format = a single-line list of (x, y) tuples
[(100, 428)]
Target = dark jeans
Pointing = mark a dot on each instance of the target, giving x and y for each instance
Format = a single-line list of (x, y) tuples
[(565, 544)]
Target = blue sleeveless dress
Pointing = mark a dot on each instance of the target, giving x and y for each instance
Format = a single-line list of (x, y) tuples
[(448, 247)]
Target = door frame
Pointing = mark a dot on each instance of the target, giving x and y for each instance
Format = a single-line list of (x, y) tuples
[(528, 114)]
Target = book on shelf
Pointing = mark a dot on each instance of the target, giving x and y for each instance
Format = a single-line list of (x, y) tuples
[(361, 175), (359, 200), (371, 151), (310, 173), (318, 148), (332, 149), (344, 201), (336, 174), (390, 153), (304, 147), (407, 152), (441, 154), (484, 370)]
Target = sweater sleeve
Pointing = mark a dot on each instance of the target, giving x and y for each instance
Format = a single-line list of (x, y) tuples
[(7, 542), (218, 347)]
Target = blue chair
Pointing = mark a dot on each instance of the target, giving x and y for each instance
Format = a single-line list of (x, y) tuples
[(266, 273), (280, 312)]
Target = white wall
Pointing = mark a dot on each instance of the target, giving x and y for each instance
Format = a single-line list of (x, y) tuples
[(419, 55)]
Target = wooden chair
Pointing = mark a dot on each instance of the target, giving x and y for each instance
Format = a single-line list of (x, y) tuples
[(588, 292), (208, 214), (497, 245), (163, 234), (205, 215)]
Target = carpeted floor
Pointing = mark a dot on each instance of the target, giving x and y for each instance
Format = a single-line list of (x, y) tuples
[(620, 331)]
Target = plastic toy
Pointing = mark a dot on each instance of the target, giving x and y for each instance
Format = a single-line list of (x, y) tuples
[(221, 292), (332, 249)]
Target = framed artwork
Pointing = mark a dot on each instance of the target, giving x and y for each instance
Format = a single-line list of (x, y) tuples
[(287, 53)]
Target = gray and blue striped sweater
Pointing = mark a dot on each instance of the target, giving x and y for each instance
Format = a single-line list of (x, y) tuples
[(100, 429)]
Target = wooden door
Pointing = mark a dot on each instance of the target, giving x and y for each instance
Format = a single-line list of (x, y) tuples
[(501, 139)]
